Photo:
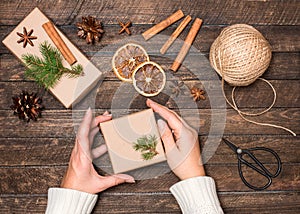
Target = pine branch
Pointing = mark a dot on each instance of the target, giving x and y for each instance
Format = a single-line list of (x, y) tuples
[(46, 71), (147, 146), (148, 155)]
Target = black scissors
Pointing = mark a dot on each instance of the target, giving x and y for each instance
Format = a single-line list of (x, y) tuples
[(258, 166)]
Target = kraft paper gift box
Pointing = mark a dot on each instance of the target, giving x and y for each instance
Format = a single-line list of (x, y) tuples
[(120, 135), (68, 90)]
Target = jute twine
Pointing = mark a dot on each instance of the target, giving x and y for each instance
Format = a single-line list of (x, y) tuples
[(240, 55)]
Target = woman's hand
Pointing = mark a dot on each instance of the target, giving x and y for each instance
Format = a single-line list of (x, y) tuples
[(180, 142), (81, 174)]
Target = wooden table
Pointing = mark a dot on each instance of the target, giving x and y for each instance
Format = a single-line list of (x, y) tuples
[(34, 156)]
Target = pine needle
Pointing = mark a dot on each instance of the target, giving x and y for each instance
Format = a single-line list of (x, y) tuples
[(147, 145), (48, 70)]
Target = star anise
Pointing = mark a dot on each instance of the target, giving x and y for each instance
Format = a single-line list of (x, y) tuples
[(27, 106), (125, 27), (176, 88), (90, 29), (197, 94), (26, 37)]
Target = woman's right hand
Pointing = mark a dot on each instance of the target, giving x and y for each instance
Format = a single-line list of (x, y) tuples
[(180, 142)]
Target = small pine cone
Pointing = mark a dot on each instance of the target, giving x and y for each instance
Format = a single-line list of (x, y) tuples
[(90, 29), (27, 106)]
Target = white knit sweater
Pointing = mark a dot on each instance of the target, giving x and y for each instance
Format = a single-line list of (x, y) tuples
[(194, 195)]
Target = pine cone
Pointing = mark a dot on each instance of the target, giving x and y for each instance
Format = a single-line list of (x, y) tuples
[(27, 106), (90, 29)]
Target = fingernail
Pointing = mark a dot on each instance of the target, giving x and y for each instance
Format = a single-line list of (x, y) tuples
[(88, 110), (131, 180), (105, 113), (161, 126), (127, 178), (149, 100)]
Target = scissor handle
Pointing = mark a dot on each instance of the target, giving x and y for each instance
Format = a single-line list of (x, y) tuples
[(261, 169), (250, 185), (279, 165)]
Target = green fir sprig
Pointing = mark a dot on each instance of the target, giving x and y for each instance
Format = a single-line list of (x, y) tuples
[(147, 146), (46, 71)]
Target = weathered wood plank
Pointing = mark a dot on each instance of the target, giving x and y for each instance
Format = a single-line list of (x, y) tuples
[(282, 62), (257, 95), (286, 202), (30, 178), (59, 123), (56, 151), (284, 146), (145, 12), (231, 203), (37, 180), (34, 156), (283, 66), (281, 38), (35, 151)]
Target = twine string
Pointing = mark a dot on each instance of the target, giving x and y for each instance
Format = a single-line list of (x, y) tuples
[(242, 113)]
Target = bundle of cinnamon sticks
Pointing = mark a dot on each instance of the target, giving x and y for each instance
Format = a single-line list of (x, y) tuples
[(188, 40)]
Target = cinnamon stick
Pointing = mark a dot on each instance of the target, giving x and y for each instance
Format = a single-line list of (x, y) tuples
[(163, 24), (175, 34), (187, 44), (59, 43)]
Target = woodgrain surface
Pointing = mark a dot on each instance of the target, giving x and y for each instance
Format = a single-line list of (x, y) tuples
[(34, 156)]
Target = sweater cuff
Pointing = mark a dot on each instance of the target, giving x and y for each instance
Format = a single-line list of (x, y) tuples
[(197, 195), (65, 201)]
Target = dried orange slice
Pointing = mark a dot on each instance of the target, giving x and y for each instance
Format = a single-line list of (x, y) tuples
[(126, 59), (149, 79)]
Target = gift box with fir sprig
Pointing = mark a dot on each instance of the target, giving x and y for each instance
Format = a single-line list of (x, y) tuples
[(30, 43), (133, 141)]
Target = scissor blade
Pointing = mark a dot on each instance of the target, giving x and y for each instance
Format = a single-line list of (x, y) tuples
[(231, 145)]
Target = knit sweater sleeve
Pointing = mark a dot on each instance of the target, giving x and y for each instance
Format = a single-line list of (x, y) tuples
[(65, 201), (197, 195)]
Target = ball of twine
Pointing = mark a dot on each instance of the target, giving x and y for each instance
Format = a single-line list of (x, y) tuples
[(240, 54)]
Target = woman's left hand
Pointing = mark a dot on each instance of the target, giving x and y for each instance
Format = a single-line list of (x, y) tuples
[(81, 174)]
